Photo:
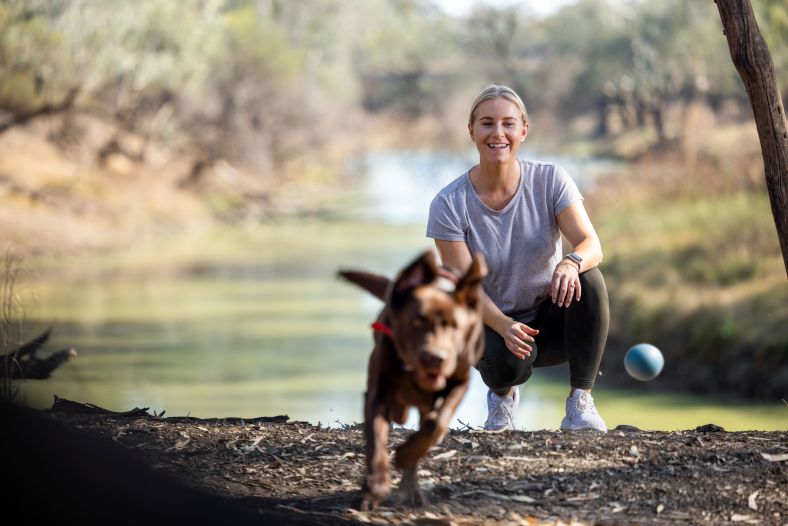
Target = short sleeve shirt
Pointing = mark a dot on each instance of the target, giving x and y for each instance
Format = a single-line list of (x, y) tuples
[(521, 242)]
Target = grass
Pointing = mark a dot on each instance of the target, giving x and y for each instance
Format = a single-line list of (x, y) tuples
[(695, 267), (10, 323)]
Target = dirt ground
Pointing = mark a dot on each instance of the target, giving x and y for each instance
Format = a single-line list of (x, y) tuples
[(311, 474)]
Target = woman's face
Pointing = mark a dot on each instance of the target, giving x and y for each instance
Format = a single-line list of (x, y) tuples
[(497, 130)]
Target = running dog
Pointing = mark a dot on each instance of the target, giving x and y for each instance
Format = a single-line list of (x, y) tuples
[(427, 337)]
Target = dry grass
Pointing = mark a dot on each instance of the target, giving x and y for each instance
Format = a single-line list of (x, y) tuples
[(10, 323), (694, 266)]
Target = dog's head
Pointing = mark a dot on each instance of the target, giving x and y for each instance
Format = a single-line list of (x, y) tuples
[(435, 319)]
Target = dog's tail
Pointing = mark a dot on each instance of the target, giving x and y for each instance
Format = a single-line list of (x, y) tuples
[(376, 285)]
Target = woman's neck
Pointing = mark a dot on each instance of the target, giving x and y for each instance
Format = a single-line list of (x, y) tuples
[(496, 179)]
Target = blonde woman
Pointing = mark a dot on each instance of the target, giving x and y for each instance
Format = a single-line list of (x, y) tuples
[(542, 307)]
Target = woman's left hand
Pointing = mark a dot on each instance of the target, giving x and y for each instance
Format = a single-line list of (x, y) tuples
[(566, 283)]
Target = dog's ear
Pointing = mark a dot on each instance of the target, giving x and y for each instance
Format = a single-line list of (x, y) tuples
[(421, 271), (469, 288)]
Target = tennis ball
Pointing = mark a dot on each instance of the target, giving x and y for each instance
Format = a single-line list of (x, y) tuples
[(643, 362)]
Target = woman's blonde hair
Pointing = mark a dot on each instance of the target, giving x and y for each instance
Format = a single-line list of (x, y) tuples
[(494, 91)]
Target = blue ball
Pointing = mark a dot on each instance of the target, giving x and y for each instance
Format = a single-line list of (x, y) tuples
[(643, 362)]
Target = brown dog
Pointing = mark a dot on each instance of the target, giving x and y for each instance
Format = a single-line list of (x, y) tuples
[(427, 337)]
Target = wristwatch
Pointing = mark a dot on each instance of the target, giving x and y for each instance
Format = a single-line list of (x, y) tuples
[(576, 258)]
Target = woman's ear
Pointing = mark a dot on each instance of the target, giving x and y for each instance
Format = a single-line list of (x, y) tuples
[(470, 131), (525, 132)]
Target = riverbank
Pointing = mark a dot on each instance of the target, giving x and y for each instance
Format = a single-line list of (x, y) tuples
[(299, 473), (691, 257), (693, 266)]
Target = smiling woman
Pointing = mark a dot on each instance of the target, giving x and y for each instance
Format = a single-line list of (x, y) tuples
[(515, 213)]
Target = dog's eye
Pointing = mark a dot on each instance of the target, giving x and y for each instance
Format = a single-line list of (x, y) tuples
[(420, 321)]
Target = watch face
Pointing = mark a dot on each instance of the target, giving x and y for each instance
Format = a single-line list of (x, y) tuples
[(574, 257)]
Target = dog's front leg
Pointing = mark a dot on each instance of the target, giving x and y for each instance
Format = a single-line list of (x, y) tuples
[(431, 429), (377, 482)]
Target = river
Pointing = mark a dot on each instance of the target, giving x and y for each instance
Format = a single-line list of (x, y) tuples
[(252, 321)]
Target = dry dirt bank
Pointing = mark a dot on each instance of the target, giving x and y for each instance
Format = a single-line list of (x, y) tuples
[(310, 474)]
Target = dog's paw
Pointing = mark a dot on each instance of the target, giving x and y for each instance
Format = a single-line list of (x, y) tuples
[(376, 488), (410, 493)]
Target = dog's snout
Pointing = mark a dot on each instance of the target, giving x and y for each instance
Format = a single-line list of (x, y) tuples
[(432, 359)]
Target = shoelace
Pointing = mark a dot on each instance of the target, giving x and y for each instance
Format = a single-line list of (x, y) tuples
[(503, 409), (585, 403)]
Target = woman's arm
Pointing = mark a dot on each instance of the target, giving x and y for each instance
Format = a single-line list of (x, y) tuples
[(457, 255), (575, 225)]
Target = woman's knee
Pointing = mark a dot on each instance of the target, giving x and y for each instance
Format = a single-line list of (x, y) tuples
[(503, 378), (593, 279), (593, 288), (500, 368)]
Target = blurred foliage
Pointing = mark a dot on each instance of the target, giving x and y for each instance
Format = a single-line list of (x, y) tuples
[(699, 274), (251, 80)]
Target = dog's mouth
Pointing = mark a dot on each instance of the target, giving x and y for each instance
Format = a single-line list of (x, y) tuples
[(431, 380)]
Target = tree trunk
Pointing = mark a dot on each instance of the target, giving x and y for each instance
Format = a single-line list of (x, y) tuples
[(754, 64)]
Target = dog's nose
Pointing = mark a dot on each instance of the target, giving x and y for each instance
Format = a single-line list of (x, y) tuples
[(432, 359)]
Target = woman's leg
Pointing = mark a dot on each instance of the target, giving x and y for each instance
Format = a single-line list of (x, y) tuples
[(499, 368), (578, 333)]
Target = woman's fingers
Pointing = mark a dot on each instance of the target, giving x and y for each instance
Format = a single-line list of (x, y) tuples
[(521, 350), (565, 289), (519, 338), (524, 332)]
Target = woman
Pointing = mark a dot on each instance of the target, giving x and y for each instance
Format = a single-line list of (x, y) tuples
[(541, 308)]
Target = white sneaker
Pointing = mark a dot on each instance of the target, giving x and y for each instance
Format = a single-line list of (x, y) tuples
[(581, 413), (500, 411)]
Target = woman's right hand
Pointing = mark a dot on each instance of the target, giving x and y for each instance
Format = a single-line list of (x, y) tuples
[(517, 337)]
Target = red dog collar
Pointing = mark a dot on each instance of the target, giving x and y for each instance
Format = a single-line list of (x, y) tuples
[(382, 328)]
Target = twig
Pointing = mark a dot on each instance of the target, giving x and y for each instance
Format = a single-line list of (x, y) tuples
[(786, 403), (466, 427)]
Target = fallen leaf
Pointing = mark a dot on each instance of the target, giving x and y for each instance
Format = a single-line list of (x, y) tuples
[(445, 456), (581, 498), (751, 501), (499, 496), (739, 518), (775, 458), (180, 444), (522, 498)]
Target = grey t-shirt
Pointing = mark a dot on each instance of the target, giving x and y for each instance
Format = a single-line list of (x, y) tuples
[(521, 242)]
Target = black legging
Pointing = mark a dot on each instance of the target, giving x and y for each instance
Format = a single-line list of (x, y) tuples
[(577, 334)]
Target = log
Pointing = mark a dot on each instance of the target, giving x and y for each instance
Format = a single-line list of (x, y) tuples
[(61, 405), (25, 363), (752, 60)]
